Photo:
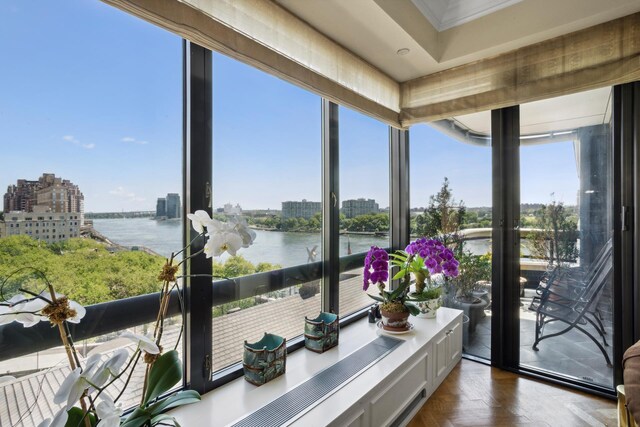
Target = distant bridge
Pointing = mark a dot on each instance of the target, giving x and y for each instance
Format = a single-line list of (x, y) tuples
[(132, 214)]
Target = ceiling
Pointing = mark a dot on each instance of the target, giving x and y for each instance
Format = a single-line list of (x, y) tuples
[(445, 14), (441, 34)]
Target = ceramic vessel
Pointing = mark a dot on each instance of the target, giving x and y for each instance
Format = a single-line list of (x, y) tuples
[(321, 333), (264, 360), (395, 321), (428, 308)]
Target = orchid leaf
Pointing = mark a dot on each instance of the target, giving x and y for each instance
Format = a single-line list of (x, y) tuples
[(181, 398), (399, 274), (376, 298), (76, 417), (412, 309), (138, 418), (165, 420), (164, 374)]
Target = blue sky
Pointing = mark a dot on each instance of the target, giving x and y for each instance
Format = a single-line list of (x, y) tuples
[(95, 96)]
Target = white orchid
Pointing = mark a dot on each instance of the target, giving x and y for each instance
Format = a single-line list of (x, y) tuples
[(108, 413), (221, 242), (27, 311), (144, 343), (200, 220), (242, 228), (59, 420), (71, 389), (22, 310), (111, 368)]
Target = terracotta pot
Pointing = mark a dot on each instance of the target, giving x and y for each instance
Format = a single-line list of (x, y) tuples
[(394, 321)]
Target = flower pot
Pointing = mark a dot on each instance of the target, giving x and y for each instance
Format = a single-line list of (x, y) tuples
[(428, 308), (321, 333), (264, 360), (395, 321)]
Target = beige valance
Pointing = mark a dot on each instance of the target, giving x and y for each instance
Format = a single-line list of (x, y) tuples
[(266, 36), (602, 55)]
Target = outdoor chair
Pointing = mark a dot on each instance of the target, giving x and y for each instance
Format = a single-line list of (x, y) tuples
[(574, 301), (571, 280)]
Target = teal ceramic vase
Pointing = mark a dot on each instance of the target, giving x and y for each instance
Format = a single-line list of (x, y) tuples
[(264, 360)]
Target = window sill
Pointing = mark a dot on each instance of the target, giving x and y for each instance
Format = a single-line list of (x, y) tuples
[(233, 401)]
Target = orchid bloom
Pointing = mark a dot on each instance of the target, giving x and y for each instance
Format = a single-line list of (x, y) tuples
[(108, 413), (222, 236), (242, 228), (199, 220), (27, 311), (22, 310), (71, 389), (110, 369), (145, 343), (219, 243), (59, 420)]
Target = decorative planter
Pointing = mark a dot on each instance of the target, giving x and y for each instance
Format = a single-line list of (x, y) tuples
[(395, 321), (428, 308), (264, 360), (321, 333)]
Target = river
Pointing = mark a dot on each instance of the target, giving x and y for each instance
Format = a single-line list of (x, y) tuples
[(276, 247)]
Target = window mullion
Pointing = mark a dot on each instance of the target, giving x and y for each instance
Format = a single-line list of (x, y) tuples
[(197, 189), (330, 206)]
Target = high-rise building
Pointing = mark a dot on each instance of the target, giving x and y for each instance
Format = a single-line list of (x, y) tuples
[(173, 206), (354, 207), (303, 209), (47, 194), (161, 207)]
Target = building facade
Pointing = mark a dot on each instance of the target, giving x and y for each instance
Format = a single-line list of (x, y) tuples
[(355, 207), (303, 209), (173, 206), (50, 227), (48, 194), (161, 207)]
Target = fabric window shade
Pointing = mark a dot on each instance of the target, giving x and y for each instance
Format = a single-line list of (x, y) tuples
[(266, 36)]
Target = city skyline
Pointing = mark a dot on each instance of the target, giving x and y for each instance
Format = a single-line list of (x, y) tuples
[(111, 122)]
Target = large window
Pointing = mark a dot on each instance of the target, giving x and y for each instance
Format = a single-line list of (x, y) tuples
[(91, 140), (364, 193), (267, 168), (451, 201)]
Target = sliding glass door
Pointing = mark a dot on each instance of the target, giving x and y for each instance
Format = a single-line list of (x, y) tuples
[(566, 237)]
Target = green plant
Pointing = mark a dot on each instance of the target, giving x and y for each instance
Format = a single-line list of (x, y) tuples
[(473, 268), (83, 394)]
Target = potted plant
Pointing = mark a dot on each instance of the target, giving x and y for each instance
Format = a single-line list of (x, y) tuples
[(468, 297), (395, 307), (84, 397), (426, 258)]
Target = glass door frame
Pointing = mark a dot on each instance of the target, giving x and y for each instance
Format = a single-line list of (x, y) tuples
[(505, 339)]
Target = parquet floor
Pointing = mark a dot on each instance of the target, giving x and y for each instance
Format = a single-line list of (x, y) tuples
[(478, 395)]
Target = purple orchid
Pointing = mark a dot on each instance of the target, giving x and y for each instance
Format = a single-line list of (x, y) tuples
[(377, 260)]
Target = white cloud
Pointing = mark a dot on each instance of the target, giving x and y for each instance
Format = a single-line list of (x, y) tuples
[(120, 192), (133, 140), (75, 141)]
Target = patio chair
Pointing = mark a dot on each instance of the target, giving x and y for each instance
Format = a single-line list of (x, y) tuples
[(574, 302), (571, 281)]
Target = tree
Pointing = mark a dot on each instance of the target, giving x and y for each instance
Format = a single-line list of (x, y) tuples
[(443, 217), (557, 234)]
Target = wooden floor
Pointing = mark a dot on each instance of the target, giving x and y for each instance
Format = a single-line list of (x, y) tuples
[(478, 395)]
